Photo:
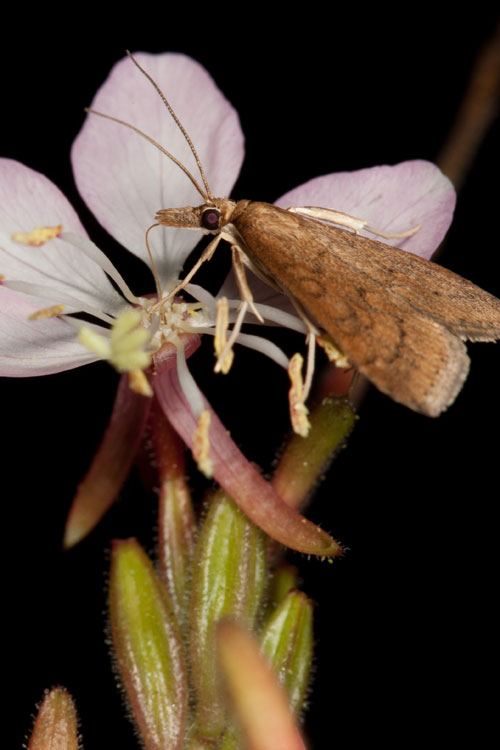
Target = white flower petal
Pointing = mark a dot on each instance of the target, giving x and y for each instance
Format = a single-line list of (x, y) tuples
[(124, 179), (29, 200), (35, 347)]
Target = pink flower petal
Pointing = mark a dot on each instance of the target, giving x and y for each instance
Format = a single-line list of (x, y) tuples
[(391, 199), (239, 478), (29, 200), (111, 464), (125, 180), (35, 347)]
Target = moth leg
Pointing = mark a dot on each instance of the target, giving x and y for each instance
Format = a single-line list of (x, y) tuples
[(345, 220), (206, 255), (241, 280), (246, 302)]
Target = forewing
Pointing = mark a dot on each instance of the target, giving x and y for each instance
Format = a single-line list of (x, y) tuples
[(461, 306), (409, 351)]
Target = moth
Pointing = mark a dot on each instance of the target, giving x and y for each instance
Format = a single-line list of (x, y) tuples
[(399, 319)]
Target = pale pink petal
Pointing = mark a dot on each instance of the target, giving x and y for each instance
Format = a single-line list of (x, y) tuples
[(391, 199), (29, 200), (110, 465), (124, 179), (35, 347), (238, 477)]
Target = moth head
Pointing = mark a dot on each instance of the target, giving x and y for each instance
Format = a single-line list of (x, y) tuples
[(209, 217)]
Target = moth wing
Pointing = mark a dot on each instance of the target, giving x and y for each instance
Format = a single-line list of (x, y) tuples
[(458, 304), (407, 350)]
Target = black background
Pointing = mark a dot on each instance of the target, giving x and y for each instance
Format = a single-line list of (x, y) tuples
[(404, 620)]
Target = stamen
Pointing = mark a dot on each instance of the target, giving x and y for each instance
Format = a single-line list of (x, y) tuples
[(91, 250), (44, 292), (311, 351), (280, 317), (233, 337), (331, 351), (202, 295), (266, 347), (37, 237), (220, 341), (201, 444), (188, 383), (298, 410), (139, 383), (48, 312)]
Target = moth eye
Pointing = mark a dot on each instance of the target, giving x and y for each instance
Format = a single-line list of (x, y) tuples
[(210, 218)]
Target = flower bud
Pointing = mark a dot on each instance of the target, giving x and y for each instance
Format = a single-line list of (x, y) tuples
[(228, 580), (305, 458), (56, 723), (148, 648), (287, 642)]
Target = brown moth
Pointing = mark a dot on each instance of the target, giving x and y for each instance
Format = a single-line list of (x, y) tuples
[(400, 320)]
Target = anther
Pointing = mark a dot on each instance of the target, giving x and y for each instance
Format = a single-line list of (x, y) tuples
[(37, 237), (47, 312), (224, 358), (331, 351), (298, 410), (201, 444)]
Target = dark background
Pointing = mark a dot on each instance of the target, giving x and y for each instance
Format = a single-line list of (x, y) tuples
[(404, 621)]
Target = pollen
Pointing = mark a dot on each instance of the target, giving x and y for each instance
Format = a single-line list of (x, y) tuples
[(37, 237), (224, 358), (331, 351), (201, 444), (139, 383), (298, 410), (47, 312)]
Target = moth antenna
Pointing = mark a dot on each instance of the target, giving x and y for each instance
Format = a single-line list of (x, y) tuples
[(177, 121), (151, 140)]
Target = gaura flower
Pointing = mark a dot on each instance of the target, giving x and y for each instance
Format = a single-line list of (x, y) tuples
[(125, 180)]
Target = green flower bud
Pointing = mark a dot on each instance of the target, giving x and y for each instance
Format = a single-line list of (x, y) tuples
[(229, 575), (287, 642), (148, 648), (304, 459)]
